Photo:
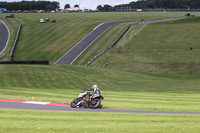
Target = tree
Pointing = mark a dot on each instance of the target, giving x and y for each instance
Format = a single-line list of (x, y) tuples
[(76, 5), (49, 8), (107, 7), (29, 5), (99, 7), (67, 6), (55, 4)]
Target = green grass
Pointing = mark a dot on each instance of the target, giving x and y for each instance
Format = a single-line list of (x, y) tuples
[(122, 90), (151, 88), (101, 44), (160, 48), (50, 41), (23, 121)]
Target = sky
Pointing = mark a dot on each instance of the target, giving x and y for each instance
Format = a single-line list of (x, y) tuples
[(88, 4)]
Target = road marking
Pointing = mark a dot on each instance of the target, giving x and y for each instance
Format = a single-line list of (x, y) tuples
[(34, 102), (59, 104)]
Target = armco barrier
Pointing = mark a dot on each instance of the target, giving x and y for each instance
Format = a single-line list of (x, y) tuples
[(148, 21), (26, 62), (15, 43)]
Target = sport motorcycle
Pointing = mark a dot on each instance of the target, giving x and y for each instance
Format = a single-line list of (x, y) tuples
[(93, 102)]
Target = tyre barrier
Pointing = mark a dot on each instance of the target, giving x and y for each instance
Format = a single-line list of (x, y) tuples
[(117, 40), (15, 43), (26, 62)]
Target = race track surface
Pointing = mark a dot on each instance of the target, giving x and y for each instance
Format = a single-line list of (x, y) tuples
[(4, 36), (30, 105), (81, 46)]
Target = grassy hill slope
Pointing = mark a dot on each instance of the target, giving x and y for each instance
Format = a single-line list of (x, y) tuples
[(49, 41), (122, 90), (161, 48)]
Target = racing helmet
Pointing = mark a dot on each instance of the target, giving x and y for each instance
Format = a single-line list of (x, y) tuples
[(94, 87)]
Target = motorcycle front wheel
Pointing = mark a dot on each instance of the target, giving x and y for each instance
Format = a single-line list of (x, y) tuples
[(74, 103), (95, 103)]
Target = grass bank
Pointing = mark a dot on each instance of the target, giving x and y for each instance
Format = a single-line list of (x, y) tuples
[(122, 90), (160, 48), (49, 41), (23, 121)]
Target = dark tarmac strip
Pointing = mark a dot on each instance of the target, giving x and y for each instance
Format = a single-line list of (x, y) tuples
[(81, 46), (25, 106), (4, 36)]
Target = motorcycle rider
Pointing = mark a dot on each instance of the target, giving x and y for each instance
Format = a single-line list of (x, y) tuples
[(95, 90)]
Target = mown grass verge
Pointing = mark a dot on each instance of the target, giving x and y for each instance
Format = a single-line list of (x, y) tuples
[(122, 90), (23, 121)]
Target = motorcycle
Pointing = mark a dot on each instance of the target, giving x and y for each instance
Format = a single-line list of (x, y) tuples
[(93, 103)]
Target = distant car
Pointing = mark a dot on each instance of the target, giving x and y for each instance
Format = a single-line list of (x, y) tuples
[(41, 20)]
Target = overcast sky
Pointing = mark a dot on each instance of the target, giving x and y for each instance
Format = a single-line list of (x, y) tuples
[(89, 4)]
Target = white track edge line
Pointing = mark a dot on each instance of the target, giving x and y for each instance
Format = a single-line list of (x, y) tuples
[(35, 102)]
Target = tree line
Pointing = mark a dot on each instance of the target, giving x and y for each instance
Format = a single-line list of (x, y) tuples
[(155, 4), (30, 5), (68, 6)]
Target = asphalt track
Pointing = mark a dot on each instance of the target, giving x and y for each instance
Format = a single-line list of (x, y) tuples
[(80, 47), (62, 107), (4, 36)]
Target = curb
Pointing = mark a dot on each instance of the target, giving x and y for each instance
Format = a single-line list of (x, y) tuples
[(34, 102)]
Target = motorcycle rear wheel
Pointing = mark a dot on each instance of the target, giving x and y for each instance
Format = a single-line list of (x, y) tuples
[(95, 103)]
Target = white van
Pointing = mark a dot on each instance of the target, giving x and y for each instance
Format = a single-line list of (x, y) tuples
[(41, 20)]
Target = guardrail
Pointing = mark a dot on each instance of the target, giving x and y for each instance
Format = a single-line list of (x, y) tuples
[(117, 40), (15, 43)]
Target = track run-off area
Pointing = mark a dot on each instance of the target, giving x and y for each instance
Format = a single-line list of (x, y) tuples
[(36, 105)]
